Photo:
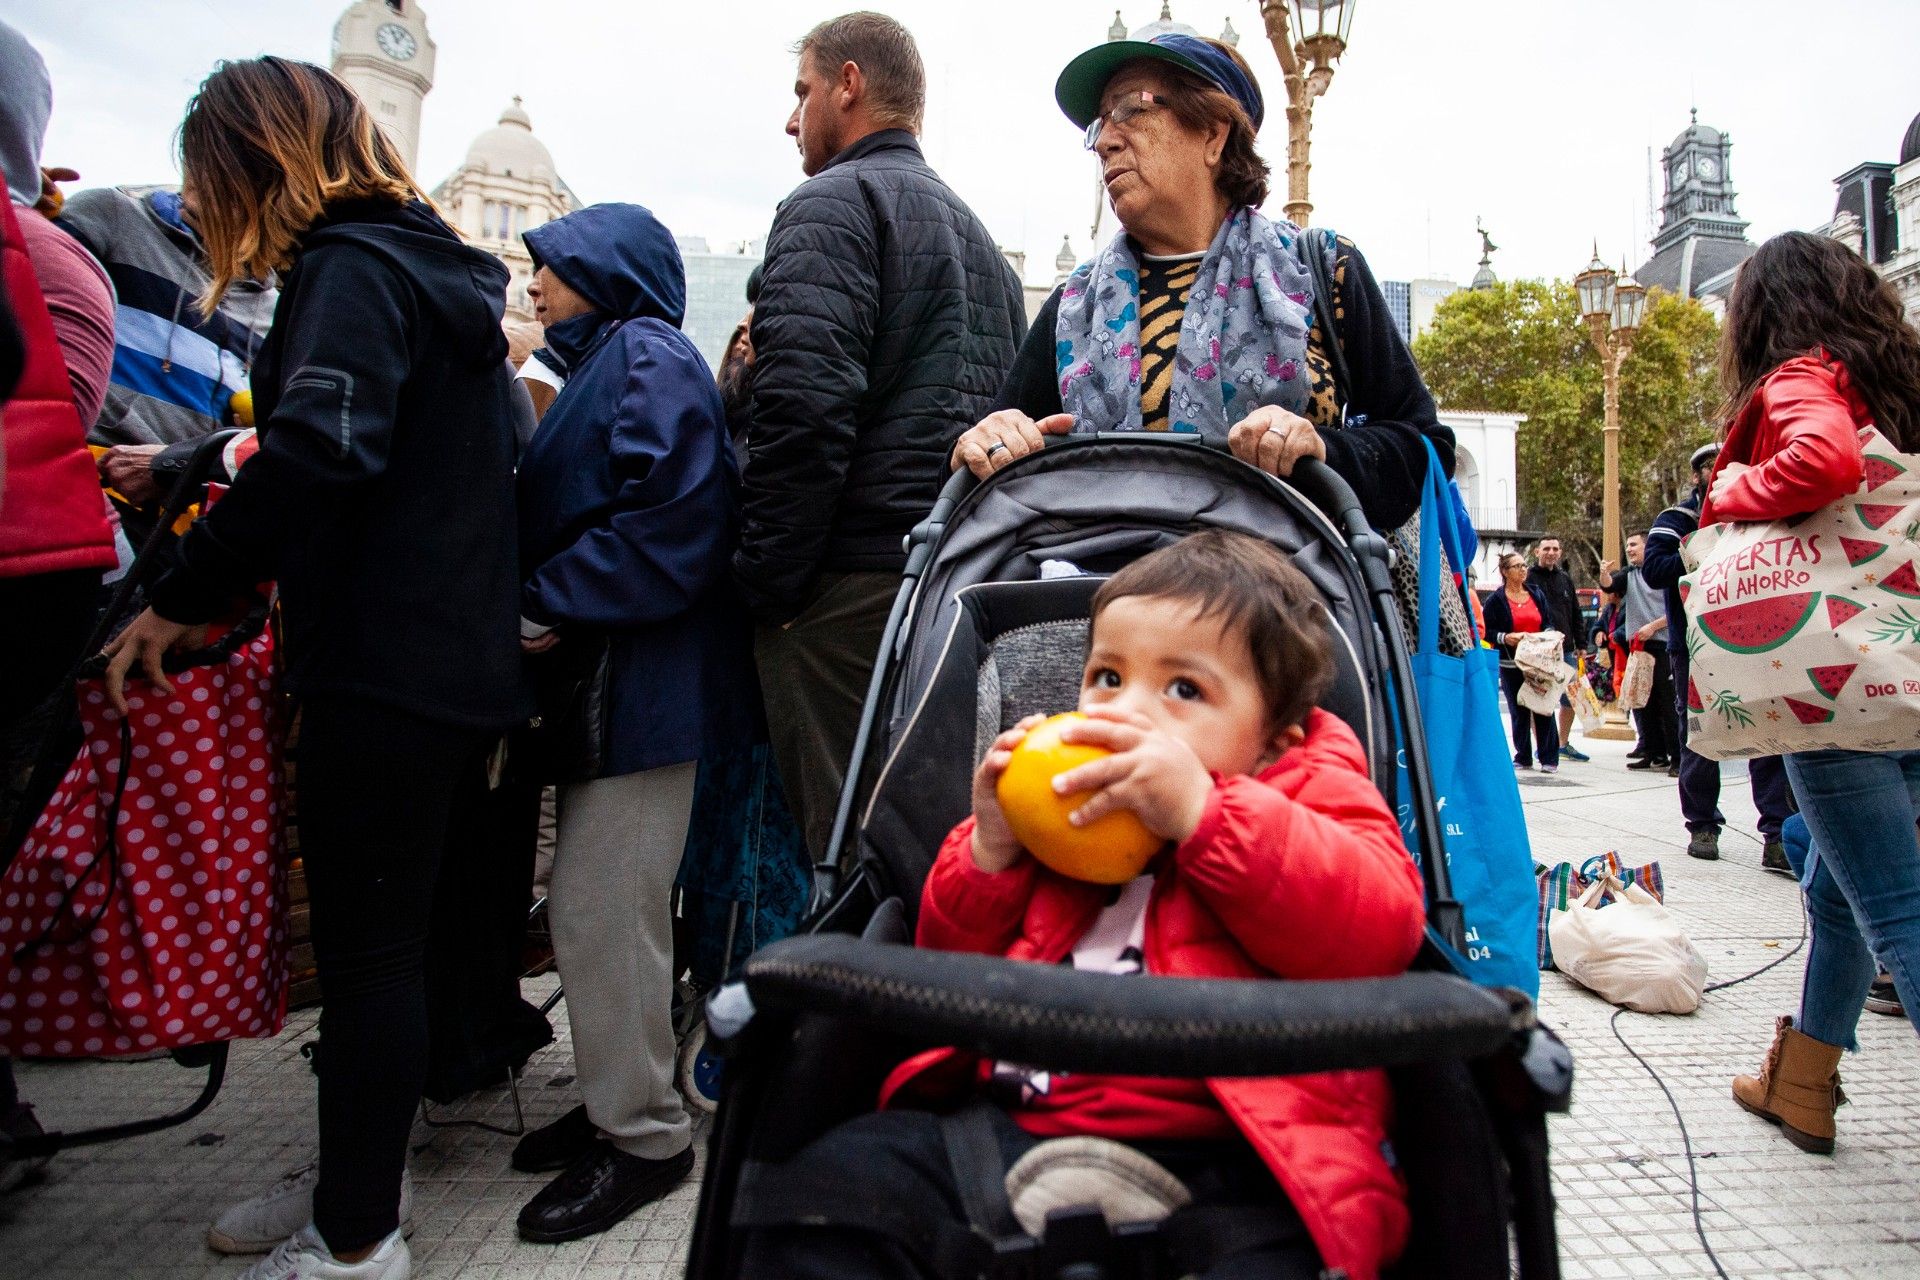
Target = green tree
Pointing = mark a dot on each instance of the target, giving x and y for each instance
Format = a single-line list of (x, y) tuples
[(1521, 347)]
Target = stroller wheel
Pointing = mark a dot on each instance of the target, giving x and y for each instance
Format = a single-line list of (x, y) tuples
[(699, 1072)]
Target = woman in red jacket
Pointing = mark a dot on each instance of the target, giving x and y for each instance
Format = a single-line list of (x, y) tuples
[(1282, 859), (1816, 348)]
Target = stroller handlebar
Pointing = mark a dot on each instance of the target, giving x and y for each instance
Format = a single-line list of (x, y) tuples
[(1186, 1027)]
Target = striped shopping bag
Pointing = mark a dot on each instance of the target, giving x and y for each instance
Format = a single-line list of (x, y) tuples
[(1560, 884)]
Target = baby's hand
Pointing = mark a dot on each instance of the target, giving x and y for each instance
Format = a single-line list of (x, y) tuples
[(994, 848), (1150, 772)]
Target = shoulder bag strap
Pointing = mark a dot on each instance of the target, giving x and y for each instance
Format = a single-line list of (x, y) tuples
[(1323, 309)]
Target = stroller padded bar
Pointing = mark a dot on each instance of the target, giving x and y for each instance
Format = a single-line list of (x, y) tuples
[(1071, 1021)]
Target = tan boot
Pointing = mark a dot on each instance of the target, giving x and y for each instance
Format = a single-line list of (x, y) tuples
[(1798, 1088)]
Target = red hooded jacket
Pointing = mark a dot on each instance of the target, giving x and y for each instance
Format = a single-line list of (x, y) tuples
[(1299, 873), (1800, 437), (52, 515)]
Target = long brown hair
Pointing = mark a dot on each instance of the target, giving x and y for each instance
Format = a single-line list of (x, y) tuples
[(1799, 292), (267, 144)]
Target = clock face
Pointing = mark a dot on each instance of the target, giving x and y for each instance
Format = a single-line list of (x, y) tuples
[(1679, 174), (396, 41), (1707, 167)]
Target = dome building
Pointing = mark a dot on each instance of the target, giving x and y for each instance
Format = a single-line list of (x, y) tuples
[(506, 186), (1877, 215), (507, 183)]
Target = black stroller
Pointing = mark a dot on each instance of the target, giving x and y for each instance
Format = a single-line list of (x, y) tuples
[(978, 638)]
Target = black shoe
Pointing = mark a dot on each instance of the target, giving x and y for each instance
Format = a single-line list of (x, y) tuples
[(1673, 771), (19, 1123), (1638, 753), (1883, 999), (557, 1145), (1644, 763), (599, 1189), (1704, 844), (1773, 857)]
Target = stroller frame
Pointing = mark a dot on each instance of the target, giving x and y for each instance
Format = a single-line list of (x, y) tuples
[(811, 1012), (212, 1058)]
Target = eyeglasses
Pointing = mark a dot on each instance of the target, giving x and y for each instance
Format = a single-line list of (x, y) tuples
[(1123, 113)]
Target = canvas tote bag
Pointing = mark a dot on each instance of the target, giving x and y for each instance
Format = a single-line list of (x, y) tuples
[(1804, 633), (1486, 830), (1634, 953)]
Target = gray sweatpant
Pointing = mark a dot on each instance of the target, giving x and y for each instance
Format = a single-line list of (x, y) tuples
[(618, 851)]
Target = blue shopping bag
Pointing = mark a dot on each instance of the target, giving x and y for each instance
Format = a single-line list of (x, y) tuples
[(1479, 801)]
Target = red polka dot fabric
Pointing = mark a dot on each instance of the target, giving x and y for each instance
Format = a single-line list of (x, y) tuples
[(187, 943)]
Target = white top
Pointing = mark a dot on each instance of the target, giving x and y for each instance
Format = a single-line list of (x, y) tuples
[(533, 369)]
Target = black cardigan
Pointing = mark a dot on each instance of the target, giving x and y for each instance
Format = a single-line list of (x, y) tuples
[(382, 496), (1381, 458)]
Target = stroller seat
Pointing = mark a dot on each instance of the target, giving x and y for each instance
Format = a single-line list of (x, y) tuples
[(976, 642)]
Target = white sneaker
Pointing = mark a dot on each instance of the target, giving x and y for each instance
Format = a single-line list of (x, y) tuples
[(304, 1256), (277, 1214)]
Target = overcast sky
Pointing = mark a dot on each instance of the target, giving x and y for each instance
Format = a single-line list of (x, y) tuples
[(1535, 115)]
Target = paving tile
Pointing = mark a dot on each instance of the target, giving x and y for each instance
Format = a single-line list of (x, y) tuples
[(139, 1209)]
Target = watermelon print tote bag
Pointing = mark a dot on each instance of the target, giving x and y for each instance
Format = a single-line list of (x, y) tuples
[(1804, 634)]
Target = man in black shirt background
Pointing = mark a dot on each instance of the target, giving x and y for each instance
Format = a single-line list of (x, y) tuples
[(1549, 573)]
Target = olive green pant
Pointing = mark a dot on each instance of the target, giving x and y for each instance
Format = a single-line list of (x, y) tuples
[(813, 679)]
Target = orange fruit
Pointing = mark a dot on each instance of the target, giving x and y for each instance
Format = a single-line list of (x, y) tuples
[(1113, 850)]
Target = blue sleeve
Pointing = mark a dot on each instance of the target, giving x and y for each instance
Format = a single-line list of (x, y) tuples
[(1663, 566), (665, 539)]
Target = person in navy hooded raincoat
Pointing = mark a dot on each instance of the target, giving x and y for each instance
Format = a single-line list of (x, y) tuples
[(627, 521)]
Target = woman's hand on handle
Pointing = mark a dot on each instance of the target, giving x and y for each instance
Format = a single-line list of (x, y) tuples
[(1001, 438), (144, 642), (1274, 440)]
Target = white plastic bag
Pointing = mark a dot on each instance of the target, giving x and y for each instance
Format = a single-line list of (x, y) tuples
[(1633, 953), (1586, 703), (1538, 657), (1636, 681)]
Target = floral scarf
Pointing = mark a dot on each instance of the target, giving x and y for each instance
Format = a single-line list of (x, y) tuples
[(1243, 339)]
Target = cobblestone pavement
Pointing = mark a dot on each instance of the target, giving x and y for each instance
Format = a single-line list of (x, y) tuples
[(137, 1210)]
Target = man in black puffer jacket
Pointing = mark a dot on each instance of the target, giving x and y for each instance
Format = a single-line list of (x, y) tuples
[(886, 323)]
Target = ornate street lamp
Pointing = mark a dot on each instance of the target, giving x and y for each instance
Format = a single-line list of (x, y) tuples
[(1613, 308), (1308, 36)]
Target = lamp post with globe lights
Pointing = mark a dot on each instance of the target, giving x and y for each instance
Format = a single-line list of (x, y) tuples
[(1308, 36), (1613, 307)]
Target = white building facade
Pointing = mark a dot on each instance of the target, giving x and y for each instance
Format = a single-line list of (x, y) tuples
[(382, 51), (507, 184), (1486, 469), (505, 187)]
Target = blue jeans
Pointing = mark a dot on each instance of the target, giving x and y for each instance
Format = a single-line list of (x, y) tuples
[(1862, 883)]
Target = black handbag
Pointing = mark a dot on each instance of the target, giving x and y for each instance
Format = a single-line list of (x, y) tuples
[(566, 740)]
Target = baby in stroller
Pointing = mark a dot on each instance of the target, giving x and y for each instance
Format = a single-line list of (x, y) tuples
[(1204, 664)]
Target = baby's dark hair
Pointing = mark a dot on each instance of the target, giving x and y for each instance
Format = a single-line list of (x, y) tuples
[(1258, 593)]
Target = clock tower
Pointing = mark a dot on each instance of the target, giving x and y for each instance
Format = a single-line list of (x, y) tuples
[(382, 50), (1701, 238)]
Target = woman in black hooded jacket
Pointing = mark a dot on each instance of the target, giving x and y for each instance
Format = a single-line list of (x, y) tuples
[(382, 503)]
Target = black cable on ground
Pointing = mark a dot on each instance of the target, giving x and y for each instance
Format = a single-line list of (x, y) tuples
[(1686, 1141)]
